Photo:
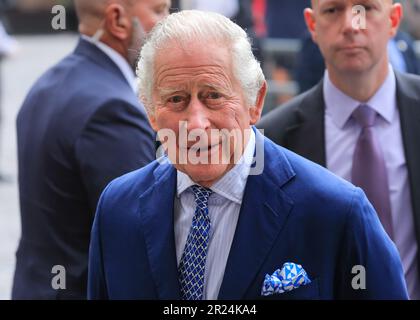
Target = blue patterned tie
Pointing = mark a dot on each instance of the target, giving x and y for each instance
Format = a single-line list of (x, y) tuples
[(193, 260)]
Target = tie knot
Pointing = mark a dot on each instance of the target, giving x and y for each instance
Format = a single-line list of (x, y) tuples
[(365, 116), (201, 195)]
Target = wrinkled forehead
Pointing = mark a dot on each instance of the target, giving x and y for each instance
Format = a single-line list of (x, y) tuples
[(193, 67), (192, 54)]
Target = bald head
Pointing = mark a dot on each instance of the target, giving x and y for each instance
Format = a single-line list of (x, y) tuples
[(91, 11)]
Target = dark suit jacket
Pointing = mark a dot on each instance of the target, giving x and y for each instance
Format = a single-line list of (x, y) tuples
[(299, 126), (80, 126), (294, 211)]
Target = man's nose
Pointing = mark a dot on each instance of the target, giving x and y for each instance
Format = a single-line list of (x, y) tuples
[(351, 21), (198, 117)]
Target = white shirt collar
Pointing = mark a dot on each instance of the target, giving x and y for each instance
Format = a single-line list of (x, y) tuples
[(340, 106), (118, 59), (232, 185)]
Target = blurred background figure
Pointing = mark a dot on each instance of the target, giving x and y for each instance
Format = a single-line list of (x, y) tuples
[(81, 126)]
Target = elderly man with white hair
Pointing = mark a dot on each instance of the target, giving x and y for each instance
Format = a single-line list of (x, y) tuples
[(226, 213)]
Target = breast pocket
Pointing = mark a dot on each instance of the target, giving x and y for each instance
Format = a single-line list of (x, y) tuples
[(307, 292)]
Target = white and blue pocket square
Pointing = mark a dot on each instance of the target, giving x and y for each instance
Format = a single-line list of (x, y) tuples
[(290, 277)]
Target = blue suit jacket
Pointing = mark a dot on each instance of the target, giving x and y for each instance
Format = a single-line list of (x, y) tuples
[(80, 127), (295, 211)]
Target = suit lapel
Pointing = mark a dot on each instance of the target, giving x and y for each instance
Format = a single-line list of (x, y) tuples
[(307, 137), (156, 208), (264, 211), (408, 100), (97, 56)]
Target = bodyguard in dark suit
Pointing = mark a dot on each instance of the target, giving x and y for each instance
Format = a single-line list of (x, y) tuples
[(80, 126), (324, 124)]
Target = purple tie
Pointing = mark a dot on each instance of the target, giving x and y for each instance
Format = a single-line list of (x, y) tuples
[(369, 170)]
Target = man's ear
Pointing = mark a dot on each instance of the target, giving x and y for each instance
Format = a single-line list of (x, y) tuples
[(396, 16), (255, 111), (117, 22), (309, 16), (152, 121)]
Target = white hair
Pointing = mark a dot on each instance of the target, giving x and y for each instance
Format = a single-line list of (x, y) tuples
[(207, 27)]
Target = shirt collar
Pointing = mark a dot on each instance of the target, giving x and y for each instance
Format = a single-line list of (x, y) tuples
[(340, 106), (232, 185), (118, 59)]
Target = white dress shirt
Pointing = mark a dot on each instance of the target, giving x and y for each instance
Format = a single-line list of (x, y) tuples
[(342, 132), (224, 206), (118, 59)]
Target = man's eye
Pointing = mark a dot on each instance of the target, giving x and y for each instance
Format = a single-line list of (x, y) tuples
[(330, 10), (214, 95), (176, 99)]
